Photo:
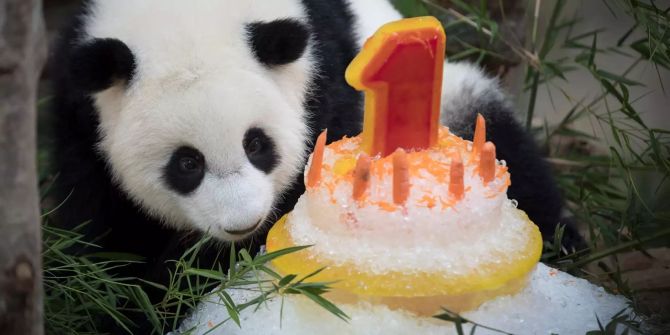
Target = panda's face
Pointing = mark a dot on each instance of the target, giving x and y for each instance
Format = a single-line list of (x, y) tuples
[(204, 136), (213, 155)]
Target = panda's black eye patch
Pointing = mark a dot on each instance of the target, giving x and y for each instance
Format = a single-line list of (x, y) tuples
[(185, 170), (260, 150), (278, 42)]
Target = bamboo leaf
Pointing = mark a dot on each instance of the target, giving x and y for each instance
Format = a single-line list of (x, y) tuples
[(287, 279), (231, 307), (262, 259), (617, 78), (211, 274), (327, 305)]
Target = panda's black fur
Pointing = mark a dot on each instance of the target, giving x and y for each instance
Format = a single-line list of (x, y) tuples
[(117, 224)]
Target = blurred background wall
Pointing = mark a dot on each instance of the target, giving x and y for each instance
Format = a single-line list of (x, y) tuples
[(653, 100)]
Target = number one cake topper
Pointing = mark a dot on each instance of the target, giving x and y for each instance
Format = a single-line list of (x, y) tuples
[(400, 71)]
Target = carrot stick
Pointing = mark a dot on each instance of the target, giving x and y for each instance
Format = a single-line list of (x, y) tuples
[(487, 162), (480, 134), (400, 177), (456, 186), (314, 173), (361, 176)]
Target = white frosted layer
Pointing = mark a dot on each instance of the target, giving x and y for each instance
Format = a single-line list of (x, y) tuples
[(553, 302), (417, 242), (429, 191), (341, 215)]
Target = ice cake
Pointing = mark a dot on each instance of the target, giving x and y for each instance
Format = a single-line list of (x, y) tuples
[(411, 215)]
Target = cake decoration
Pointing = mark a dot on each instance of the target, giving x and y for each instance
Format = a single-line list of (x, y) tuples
[(400, 71), (402, 191)]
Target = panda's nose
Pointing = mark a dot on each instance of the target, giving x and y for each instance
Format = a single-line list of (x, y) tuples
[(243, 231)]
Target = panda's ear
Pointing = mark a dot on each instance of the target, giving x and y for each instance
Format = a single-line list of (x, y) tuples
[(98, 64), (278, 42)]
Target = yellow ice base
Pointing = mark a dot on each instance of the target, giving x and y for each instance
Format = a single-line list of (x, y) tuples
[(432, 305), (492, 278)]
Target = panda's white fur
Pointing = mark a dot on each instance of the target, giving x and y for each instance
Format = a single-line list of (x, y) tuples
[(190, 90), (370, 15)]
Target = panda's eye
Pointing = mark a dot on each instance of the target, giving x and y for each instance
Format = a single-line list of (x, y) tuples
[(188, 165), (253, 147), (185, 170), (260, 150)]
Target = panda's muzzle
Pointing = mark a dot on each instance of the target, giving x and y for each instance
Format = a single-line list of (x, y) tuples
[(244, 231)]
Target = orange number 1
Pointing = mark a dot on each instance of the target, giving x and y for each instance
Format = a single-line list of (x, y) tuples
[(400, 71)]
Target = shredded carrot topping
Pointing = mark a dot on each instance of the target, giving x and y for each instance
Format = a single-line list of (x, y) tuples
[(446, 203), (314, 174), (386, 206), (428, 201)]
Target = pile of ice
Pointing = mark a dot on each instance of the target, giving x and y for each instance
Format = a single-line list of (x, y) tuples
[(553, 303)]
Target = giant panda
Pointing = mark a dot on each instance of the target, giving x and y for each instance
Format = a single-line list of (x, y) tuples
[(176, 119)]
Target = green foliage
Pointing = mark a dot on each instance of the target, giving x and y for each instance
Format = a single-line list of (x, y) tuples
[(410, 8), (79, 291), (76, 289), (620, 324), (189, 285)]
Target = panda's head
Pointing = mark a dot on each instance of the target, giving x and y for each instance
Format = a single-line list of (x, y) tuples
[(200, 105)]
